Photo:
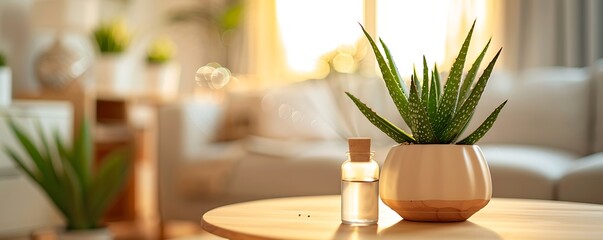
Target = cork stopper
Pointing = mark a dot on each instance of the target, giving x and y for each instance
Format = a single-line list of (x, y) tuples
[(359, 149)]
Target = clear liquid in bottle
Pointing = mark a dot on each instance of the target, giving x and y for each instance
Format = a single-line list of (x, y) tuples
[(359, 204)]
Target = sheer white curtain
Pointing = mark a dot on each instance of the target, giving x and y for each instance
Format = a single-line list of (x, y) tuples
[(551, 33)]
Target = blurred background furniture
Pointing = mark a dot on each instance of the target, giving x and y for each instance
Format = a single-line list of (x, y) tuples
[(23, 205), (542, 147)]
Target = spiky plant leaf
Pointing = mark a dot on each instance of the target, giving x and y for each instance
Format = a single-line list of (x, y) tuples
[(383, 124), (40, 172), (464, 91), (432, 105), (416, 78), (43, 165), (73, 193), (61, 149), (462, 117), (61, 182), (483, 128), (424, 132), (447, 105), (393, 68), (393, 87), (425, 88), (438, 82), (107, 183), (82, 153)]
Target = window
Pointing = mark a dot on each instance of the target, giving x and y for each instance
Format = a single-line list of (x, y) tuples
[(312, 28)]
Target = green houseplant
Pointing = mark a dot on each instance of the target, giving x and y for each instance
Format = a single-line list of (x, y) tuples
[(418, 175), (113, 67), (66, 175), (161, 51), (112, 37), (162, 72)]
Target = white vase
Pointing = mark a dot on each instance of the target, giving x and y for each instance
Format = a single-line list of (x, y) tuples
[(92, 234), (5, 86), (435, 182), (161, 80), (113, 74)]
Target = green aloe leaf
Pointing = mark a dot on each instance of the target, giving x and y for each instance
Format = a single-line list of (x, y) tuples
[(42, 172), (424, 132), (61, 149), (107, 183), (432, 104), (460, 120), (393, 68), (425, 88), (438, 82), (21, 164), (483, 128), (447, 106), (43, 165), (73, 197), (383, 124), (82, 155), (464, 92), (416, 78), (394, 87)]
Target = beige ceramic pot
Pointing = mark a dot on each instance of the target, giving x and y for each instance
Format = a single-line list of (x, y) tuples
[(435, 183)]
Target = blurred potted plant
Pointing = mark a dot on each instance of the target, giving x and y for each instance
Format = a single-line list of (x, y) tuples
[(435, 174), (113, 67), (162, 72), (5, 82), (80, 192), (221, 22)]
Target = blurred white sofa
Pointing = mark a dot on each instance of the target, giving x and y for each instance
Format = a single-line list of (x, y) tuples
[(543, 145)]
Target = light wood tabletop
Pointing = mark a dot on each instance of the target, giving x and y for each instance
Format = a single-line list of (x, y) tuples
[(318, 217)]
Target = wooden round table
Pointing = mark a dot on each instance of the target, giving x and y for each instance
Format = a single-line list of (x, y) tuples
[(318, 217)]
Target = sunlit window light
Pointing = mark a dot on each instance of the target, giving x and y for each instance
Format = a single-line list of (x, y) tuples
[(412, 29), (311, 28)]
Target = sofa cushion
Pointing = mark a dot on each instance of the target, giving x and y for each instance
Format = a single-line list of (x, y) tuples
[(582, 183), (526, 171), (547, 107), (311, 168), (302, 110)]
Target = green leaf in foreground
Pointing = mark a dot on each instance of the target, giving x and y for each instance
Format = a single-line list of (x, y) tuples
[(383, 124), (420, 119), (483, 128)]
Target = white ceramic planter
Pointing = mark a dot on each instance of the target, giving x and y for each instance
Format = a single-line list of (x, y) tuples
[(437, 183), (5, 86), (93, 234), (161, 80), (113, 74)]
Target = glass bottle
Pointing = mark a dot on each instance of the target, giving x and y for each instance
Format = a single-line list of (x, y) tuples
[(359, 184)]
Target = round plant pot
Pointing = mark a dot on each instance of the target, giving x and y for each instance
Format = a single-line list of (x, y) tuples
[(92, 234), (5, 86), (435, 183), (113, 74), (161, 80)]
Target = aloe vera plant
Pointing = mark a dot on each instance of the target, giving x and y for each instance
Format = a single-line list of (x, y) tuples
[(434, 115), (67, 177)]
